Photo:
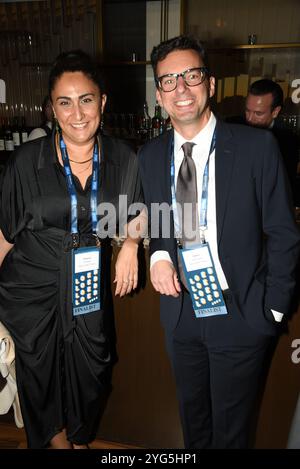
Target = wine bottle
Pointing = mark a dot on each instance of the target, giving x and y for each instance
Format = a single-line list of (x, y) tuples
[(24, 132), (146, 121), (2, 135), (156, 121), (9, 141), (16, 132)]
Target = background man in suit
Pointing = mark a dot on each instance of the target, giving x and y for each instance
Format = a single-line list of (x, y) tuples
[(217, 360), (263, 105)]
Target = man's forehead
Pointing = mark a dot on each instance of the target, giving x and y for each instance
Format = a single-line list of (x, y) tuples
[(264, 100), (178, 61)]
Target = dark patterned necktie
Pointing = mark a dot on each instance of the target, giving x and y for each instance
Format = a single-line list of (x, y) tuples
[(187, 199)]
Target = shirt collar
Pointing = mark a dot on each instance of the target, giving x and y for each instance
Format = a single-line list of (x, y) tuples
[(203, 138)]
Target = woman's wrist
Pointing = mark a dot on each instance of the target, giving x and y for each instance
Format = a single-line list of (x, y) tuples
[(132, 242)]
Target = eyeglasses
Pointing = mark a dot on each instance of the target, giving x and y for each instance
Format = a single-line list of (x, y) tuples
[(192, 77)]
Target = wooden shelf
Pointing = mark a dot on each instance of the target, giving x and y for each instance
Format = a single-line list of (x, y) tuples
[(282, 45), (104, 64), (121, 63)]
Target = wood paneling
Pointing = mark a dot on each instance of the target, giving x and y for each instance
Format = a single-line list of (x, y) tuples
[(281, 392), (226, 23), (229, 22), (12, 437), (142, 408)]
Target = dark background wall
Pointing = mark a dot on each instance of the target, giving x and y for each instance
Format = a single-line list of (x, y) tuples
[(124, 32)]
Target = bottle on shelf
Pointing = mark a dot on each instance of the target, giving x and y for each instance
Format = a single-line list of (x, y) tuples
[(143, 129), (131, 126), (23, 131), (168, 124), (146, 121), (2, 135), (16, 132), (162, 126), (8, 138), (157, 121)]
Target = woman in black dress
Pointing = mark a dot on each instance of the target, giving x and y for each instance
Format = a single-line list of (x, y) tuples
[(60, 324)]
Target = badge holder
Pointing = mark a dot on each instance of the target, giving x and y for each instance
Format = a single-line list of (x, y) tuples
[(86, 261), (86, 280), (202, 281)]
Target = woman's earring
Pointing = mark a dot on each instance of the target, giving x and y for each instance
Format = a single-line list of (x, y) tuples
[(57, 126)]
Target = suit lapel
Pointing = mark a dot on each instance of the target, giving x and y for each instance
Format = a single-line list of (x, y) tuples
[(167, 145), (164, 169), (224, 160)]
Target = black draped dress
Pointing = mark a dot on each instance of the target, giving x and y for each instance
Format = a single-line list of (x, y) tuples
[(61, 361)]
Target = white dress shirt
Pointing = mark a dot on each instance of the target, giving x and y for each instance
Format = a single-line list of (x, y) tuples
[(200, 154)]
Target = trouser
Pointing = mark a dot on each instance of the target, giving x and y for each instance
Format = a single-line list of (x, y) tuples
[(218, 363)]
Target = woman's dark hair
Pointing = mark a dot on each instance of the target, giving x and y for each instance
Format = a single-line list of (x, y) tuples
[(161, 51), (75, 61)]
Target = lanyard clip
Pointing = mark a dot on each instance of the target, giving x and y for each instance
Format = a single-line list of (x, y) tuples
[(97, 239), (202, 234), (179, 244), (75, 240)]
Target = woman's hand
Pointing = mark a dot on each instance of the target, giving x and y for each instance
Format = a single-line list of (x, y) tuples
[(126, 277), (5, 247)]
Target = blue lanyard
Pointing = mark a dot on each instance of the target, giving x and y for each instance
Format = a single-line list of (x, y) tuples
[(73, 195), (204, 196)]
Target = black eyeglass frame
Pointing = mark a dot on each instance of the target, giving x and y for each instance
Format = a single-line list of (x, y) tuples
[(204, 70)]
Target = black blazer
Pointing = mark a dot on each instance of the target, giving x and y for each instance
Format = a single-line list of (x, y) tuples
[(258, 240)]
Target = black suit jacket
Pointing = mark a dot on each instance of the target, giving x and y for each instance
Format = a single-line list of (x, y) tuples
[(288, 143), (258, 240)]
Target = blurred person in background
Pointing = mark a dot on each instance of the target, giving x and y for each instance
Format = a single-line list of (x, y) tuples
[(263, 105), (47, 121)]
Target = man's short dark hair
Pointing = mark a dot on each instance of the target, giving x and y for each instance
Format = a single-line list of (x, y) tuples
[(265, 86), (161, 51)]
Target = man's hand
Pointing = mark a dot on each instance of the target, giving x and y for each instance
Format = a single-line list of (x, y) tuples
[(164, 278)]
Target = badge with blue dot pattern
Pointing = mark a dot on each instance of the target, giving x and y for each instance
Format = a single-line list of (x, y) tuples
[(202, 280), (86, 280)]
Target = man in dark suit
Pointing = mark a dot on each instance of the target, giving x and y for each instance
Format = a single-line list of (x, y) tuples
[(217, 354), (263, 105)]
